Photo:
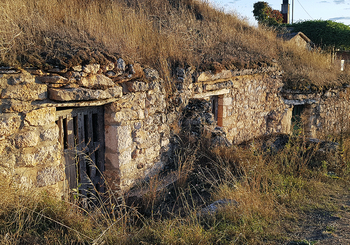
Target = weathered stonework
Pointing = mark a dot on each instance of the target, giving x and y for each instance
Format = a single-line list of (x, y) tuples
[(40, 117), (254, 108), (134, 125), (249, 105), (25, 92), (30, 149), (43, 122), (326, 112), (81, 94), (9, 124)]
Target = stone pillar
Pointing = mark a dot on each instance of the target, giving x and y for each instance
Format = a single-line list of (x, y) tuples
[(118, 152)]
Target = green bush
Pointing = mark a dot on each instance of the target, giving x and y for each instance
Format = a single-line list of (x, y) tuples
[(325, 33)]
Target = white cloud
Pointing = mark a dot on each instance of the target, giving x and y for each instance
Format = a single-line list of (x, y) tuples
[(339, 18)]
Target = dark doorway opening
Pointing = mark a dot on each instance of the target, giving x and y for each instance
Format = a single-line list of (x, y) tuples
[(215, 106), (297, 122), (217, 109)]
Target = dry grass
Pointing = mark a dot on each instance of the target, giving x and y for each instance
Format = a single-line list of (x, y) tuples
[(160, 34), (269, 189), (31, 217), (305, 70)]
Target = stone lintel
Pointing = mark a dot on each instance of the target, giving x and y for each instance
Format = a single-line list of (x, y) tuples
[(84, 94), (79, 104), (211, 93), (299, 102), (209, 76)]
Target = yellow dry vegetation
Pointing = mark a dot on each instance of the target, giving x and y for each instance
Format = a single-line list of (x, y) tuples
[(160, 34)]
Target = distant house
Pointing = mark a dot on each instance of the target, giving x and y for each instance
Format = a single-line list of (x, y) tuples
[(298, 38)]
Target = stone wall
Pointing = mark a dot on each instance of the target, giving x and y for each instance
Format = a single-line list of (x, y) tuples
[(254, 108), (29, 149), (137, 135), (249, 104), (34, 145), (138, 116), (326, 113)]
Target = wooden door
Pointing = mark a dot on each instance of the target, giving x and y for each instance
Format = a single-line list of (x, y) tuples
[(81, 134)]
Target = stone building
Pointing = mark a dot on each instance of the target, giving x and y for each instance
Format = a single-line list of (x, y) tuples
[(299, 38), (63, 129)]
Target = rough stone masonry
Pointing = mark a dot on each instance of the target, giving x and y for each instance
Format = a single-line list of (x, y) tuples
[(52, 121)]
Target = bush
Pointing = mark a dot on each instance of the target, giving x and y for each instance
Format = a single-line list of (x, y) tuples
[(325, 33)]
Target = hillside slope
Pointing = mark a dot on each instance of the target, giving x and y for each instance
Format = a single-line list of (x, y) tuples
[(156, 33)]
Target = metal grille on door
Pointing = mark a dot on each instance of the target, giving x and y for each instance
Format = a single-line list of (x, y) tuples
[(81, 134)]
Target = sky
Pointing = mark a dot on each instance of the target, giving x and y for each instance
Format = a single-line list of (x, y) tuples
[(335, 10)]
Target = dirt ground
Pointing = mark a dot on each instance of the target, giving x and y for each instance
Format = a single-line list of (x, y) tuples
[(324, 227)]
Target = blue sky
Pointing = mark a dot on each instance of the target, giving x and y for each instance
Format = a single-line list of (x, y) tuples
[(336, 10)]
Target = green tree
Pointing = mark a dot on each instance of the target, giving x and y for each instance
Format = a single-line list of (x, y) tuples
[(325, 33), (264, 14)]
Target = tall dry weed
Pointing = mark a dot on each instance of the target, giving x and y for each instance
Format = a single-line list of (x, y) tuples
[(267, 187), (308, 69)]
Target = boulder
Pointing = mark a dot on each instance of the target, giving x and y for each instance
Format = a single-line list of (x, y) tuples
[(92, 68), (22, 78), (120, 65), (55, 79), (98, 81)]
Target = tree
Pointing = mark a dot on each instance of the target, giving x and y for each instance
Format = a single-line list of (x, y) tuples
[(325, 33), (276, 17), (264, 14)]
